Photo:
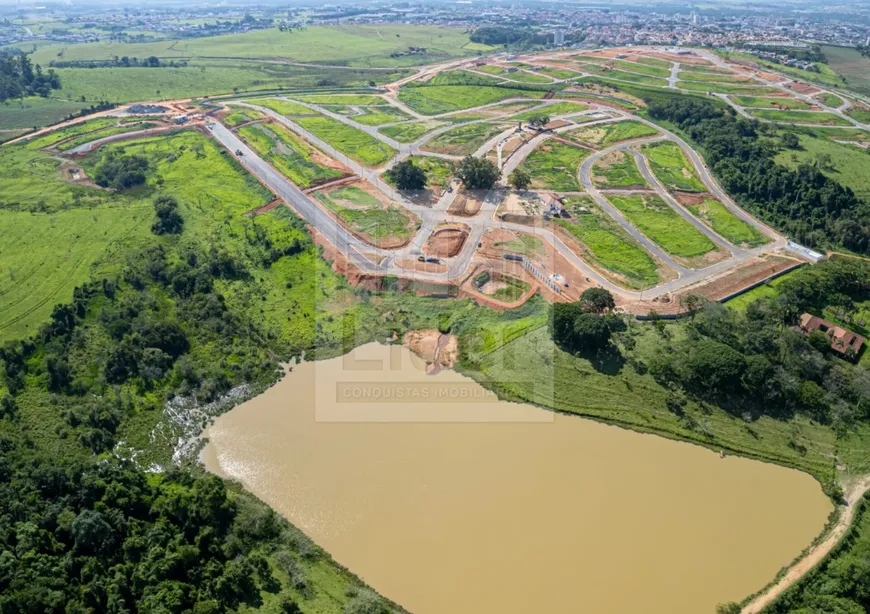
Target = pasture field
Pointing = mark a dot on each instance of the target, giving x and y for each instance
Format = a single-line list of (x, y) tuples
[(529, 77), (558, 109), (604, 135), (829, 100), (617, 170), (769, 103), (463, 140), (800, 117), (380, 115), (35, 112), (558, 73), (553, 166), (849, 165), (241, 115), (288, 153), (364, 214), (103, 133), (351, 141), (717, 216), (608, 246), (435, 99), (287, 108), (410, 132), (669, 164), (850, 65), (655, 218), (351, 45)]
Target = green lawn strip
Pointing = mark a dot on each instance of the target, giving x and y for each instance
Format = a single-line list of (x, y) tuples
[(573, 384), (617, 170), (862, 115), (104, 133), (286, 108), (526, 245), (463, 140), (704, 69), (407, 133), (725, 88), (846, 164), (657, 220), (342, 99), (55, 136), (36, 112), (622, 75), (829, 100), (800, 117), (554, 110), (711, 77), (553, 166), (653, 62), (558, 73), (366, 216), (241, 116), (608, 245), (288, 153), (604, 135), (717, 216), (769, 103), (671, 166), (432, 100), (351, 141), (529, 77), (653, 71), (491, 69), (766, 290), (381, 115)]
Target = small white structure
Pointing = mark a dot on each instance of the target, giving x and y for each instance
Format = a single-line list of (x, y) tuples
[(805, 252)]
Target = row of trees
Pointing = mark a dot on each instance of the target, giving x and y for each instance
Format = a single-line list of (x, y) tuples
[(20, 78), (811, 207), (151, 61)]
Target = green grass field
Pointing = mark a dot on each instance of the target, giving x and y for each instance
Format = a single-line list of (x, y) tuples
[(353, 45), (288, 153), (287, 108), (829, 100), (605, 135), (514, 288), (767, 290), (463, 140), (558, 109), (410, 132), (669, 164), (343, 99), (528, 77), (862, 115), (645, 69), (432, 100), (825, 75), (553, 166), (381, 115), (608, 246), (712, 77), (617, 170), (621, 75), (351, 141), (35, 112), (849, 165), (726, 88), (241, 116), (104, 133), (558, 73), (715, 215), (800, 117), (849, 64), (769, 103), (654, 218), (490, 69), (364, 214), (55, 136)]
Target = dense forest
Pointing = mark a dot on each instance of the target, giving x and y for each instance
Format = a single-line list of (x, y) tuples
[(804, 203), (511, 36), (20, 78)]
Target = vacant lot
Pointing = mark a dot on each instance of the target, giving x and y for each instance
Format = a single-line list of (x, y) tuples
[(558, 109), (617, 170), (604, 135), (435, 99), (715, 215), (712, 77), (241, 115), (829, 100), (351, 141), (801, 117), (553, 166), (671, 167), (56, 136), (294, 158), (103, 133), (286, 108), (341, 99), (463, 140), (622, 75), (558, 73), (410, 132), (366, 215), (726, 88), (769, 103), (608, 246), (644, 69), (654, 218), (528, 77), (375, 116)]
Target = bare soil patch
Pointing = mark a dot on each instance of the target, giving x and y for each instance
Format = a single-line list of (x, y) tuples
[(743, 276), (446, 241), (412, 264), (803, 88), (465, 205), (437, 349)]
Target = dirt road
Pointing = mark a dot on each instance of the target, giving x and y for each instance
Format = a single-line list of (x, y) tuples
[(819, 552)]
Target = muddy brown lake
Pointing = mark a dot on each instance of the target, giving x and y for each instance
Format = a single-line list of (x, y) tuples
[(447, 500)]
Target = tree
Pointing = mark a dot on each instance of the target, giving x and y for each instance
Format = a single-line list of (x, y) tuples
[(715, 366), (519, 179), (477, 173), (597, 300), (728, 608), (167, 220), (408, 176), (790, 140), (692, 302), (539, 120)]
